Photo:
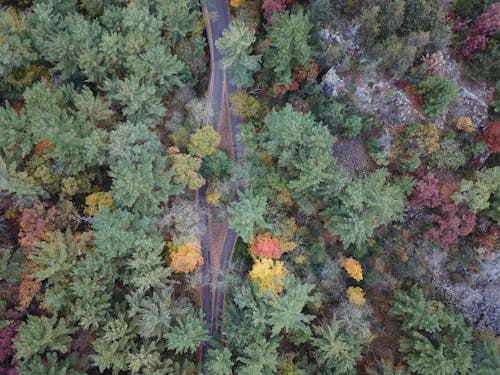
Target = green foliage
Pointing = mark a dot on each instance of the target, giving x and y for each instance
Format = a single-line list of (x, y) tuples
[(235, 46), (469, 8), (260, 357), (187, 335), (397, 54), (111, 349), (436, 340), (180, 17), (341, 117), (219, 362), (138, 168), (449, 155), (300, 145), (482, 194), (486, 358), (36, 365), (15, 47), (336, 351), (320, 10), (39, 334), (287, 315), (438, 93), (418, 313), (217, 165), (47, 118), (289, 44), (57, 255), (364, 205), (247, 215)]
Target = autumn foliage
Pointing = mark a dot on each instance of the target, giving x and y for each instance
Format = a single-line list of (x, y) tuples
[(35, 224), (186, 257), (465, 124), (352, 267), (356, 295), (448, 220), (95, 201), (485, 26), (452, 222), (268, 274), (491, 136), (426, 192), (263, 245), (271, 6)]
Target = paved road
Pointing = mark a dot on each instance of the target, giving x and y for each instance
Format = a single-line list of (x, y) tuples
[(218, 93)]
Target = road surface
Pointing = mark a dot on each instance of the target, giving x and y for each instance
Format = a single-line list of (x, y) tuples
[(219, 89)]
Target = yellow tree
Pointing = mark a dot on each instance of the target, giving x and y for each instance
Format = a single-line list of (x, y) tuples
[(268, 274), (186, 169), (352, 267), (203, 142), (95, 201), (356, 295), (186, 257)]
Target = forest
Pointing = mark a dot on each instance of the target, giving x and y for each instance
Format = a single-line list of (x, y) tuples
[(249, 187)]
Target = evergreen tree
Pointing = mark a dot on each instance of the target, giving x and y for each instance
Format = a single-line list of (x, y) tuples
[(289, 44), (364, 205), (219, 362), (260, 357), (436, 340), (286, 314), (438, 93), (138, 168), (247, 215), (300, 145), (336, 351), (235, 46), (39, 334), (187, 335)]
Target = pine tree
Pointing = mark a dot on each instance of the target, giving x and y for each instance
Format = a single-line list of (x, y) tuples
[(260, 357), (39, 334), (247, 215), (286, 315), (219, 362), (187, 334), (438, 93), (138, 168), (436, 340), (289, 44), (365, 204), (235, 46), (301, 146), (336, 351)]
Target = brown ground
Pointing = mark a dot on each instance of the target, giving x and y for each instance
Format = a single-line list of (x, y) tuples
[(218, 231), (352, 155)]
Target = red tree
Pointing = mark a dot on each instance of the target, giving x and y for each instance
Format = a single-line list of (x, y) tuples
[(7, 351), (265, 246), (271, 6), (453, 221), (487, 24), (426, 192), (491, 136)]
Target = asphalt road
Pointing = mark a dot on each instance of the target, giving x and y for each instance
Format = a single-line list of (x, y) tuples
[(219, 89)]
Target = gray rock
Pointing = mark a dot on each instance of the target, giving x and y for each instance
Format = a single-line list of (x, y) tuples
[(332, 84)]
